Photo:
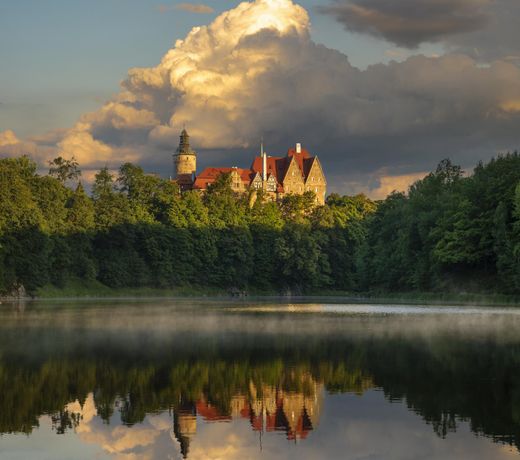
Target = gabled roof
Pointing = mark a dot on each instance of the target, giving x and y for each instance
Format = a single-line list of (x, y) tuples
[(288, 161), (210, 175), (299, 157), (276, 167), (307, 165)]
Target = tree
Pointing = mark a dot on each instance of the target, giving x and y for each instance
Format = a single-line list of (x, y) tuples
[(111, 208), (225, 208), (18, 208), (80, 211), (296, 208), (63, 169)]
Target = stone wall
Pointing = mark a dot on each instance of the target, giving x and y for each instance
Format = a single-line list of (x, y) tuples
[(185, 164)]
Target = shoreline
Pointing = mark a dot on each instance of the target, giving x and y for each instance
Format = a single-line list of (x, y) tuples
[(84, 293)]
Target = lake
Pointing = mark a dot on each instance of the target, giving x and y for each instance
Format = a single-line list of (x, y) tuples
[(173, 379)]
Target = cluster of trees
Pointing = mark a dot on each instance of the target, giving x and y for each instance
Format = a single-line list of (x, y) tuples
[(449, 232), (136, 230)]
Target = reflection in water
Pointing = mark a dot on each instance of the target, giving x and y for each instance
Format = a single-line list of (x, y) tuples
[(267, 409), (204, 381)]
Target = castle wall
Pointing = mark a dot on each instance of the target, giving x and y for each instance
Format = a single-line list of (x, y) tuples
[(185, 164), (316, 182), (293, 180), (237, 184)]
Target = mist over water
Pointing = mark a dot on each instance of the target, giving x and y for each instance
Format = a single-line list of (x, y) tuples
[(219, 379)]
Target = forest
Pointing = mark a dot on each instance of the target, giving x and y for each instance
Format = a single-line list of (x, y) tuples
[(451, 232)]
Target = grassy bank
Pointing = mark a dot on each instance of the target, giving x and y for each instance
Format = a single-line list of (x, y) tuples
[(93, 289), (96, 289)]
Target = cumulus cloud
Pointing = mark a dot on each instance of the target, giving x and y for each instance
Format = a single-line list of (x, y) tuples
[(12, 146), (8, 137), (254, 71), (410, 22)]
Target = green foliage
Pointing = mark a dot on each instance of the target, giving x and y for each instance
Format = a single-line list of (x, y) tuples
[(80, 212), (451, 232), (225, 208), (297, 207), (64, 170), (18, 206)]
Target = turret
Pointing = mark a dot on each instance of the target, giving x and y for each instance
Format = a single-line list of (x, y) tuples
[(185, 162)]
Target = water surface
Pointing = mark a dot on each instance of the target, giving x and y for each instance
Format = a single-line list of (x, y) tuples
[(214, 379)]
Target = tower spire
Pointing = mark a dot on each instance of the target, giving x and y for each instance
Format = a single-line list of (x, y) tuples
[(185, 162)]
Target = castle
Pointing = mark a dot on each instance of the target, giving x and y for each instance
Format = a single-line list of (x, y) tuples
[(296, 173)]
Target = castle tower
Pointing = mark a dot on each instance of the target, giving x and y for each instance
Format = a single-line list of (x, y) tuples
[(184, 162)]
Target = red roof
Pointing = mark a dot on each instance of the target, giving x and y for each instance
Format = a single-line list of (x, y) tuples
[(210, 413), (276, 166), (210, 175)]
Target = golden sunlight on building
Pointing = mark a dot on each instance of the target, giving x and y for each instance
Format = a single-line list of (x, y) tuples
[(296, 173)]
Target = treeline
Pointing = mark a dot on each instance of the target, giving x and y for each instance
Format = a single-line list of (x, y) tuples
[(450, 232)]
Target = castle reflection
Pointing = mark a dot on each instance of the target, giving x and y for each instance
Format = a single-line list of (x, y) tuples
[(267, 408)]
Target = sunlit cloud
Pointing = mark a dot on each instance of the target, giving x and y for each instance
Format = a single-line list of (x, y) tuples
[(389, 184), (381, 183), (8, 137)]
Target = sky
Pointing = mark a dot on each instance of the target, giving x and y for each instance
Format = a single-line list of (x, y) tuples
[(380, 90)]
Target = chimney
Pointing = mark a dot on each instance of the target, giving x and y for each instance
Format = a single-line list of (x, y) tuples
[(298, 148), (264, 163)]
